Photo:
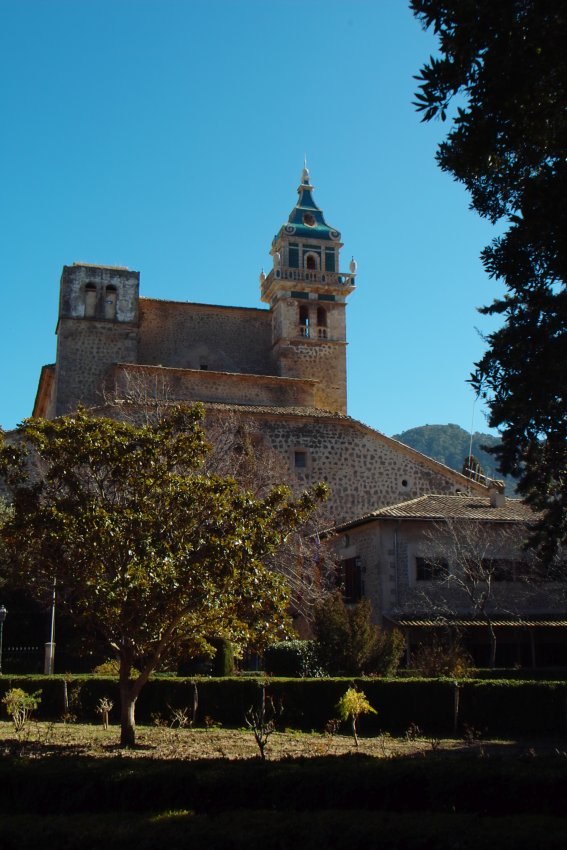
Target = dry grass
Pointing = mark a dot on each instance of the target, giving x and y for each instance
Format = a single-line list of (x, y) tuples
[(162, 742)]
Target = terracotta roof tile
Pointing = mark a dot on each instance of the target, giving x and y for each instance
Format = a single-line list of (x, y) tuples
[(440, 507)]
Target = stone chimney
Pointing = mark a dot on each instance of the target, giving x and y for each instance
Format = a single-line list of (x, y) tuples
[(496, 494)]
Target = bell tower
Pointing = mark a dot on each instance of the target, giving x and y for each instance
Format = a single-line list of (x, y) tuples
[(307, 296)]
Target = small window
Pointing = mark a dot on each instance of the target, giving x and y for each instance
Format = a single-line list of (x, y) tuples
[(311, 262), (203, 367), (304, 321), (503, 569), (321, 317), (309, 220), (300, 459), (90, 300), (110, 299), (430, 569)]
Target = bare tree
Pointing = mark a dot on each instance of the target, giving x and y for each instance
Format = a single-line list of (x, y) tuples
[(238, 448), (477, 570), (140, 395)]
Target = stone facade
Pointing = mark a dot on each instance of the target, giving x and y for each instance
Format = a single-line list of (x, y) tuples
[(363, 468), (390, 549), (282, 367), (199, 336)]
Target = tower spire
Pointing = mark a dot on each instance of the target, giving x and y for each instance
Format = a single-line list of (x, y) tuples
[(307, 295)]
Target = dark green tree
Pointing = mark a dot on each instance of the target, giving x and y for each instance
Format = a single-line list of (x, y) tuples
[(348, 643), (501, 77), (150, 554)]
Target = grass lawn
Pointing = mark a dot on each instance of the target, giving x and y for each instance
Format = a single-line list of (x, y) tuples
[(41, 740), (70, 786)]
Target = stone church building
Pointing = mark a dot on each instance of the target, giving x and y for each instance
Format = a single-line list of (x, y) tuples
[(282, 368)]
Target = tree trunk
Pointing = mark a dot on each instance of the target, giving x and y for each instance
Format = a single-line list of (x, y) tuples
[(354, 731), (127, 715), (492, 646), (129, 691)]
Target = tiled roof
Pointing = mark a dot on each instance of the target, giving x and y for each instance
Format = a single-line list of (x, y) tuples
[(431, 622), (461, 506), (144, 299), (291, 411)]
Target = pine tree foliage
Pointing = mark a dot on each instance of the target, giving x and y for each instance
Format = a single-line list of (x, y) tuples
[(501, 78)]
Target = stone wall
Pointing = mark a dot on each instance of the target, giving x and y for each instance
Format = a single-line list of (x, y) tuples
[(322, 361), (76, 279), (85, 351), (377, 579), (192, 336), (188, 385), (364, 469), (388, 549), (475, 540)]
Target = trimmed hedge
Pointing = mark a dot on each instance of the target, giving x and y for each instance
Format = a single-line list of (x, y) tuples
[(70, 785), (292, 658), (506, 708)]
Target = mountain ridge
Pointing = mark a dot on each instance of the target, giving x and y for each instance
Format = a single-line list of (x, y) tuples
[(450, 445)]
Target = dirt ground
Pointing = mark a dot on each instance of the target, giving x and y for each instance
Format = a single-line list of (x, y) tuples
[(41, 740)]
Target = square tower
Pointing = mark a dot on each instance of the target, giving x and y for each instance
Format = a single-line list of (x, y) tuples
[(307, 296), (97, 327)]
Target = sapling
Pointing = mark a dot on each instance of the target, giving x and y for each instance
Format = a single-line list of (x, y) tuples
[(19, 705), (179, 717), (262, 721), (104, 708), (351, 705)]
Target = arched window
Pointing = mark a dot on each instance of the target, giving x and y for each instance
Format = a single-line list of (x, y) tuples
[(304, 321), (90, 300), (311, 262), (321, 323), (110, 299)]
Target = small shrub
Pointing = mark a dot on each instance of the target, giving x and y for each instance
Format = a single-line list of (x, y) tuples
[(293, 658), (111, 669), (350, 644), (413, 732), (332, 726), (351, 705), (471, 736), (20, 705), (262, 721), (104, 708), (442, 658), (179, 718), (223, 662)]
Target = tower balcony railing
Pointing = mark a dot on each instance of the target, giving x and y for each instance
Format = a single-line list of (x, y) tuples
[(341, 279), (318, 332)]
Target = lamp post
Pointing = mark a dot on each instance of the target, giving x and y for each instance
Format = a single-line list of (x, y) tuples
[(3, 613), (49, 659)]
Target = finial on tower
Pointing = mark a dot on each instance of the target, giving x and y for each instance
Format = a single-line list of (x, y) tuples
[(305, 172)]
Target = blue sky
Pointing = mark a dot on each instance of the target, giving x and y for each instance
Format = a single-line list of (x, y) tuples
[(168, 136)]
